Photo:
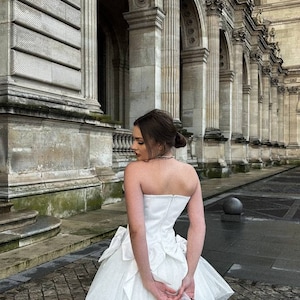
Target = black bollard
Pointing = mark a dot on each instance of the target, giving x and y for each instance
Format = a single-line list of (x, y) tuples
[(233, 210)]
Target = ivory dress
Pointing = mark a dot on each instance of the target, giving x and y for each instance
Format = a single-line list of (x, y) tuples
[(118, 277)]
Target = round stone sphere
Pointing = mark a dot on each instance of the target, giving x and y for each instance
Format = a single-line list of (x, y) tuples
[(233, 206)]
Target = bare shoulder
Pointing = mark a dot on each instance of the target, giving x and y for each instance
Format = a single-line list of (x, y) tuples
[(186, 167), (135, 166)]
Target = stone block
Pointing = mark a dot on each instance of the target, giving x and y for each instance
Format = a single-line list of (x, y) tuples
[(29, 41), (38, 69), (46, 24), (60, 9)]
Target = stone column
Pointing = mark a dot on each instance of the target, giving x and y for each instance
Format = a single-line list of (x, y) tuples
[(246, 112), (145, 45), (254, 96), (214, 10), (89, 55), (282, 128), (260, 116), (226, 82), (274, 111), (294, 126), (266, 105), (171, 59), (238, 36), (193, 90)]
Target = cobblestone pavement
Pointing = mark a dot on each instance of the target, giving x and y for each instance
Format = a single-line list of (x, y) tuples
[(72, 281)]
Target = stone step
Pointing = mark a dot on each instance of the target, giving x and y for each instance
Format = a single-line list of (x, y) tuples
[(44, 228), (16, 219), (5, 207)]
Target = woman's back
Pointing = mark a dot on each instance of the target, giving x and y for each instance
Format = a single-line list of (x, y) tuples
[(166, 176)]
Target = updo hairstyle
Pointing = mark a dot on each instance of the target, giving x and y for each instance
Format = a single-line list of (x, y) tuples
[(157, 126)]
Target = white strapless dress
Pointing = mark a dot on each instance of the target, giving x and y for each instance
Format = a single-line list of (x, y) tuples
[(118, 277)]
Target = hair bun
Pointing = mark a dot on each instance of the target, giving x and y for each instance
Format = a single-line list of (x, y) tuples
[(180, 140)]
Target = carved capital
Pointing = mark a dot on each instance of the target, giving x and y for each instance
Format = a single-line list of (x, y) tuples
[(266, 70), (139, 4), (274, 81), (239, 35), (281, 89), (293, 89), (214, 6), (255, 55)]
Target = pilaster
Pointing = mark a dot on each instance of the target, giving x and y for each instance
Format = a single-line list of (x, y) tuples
[(238, 36), (294, 118), (274, 110), (171, 59), (89, 55), (145, 45), (255, 57), (282, 128), (194, 90), (266, 105), (214, 10)]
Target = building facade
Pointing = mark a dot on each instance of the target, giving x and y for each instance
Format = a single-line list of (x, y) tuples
[(75, 74)]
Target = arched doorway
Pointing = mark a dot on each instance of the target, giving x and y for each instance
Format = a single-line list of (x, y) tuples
[(112, 58)]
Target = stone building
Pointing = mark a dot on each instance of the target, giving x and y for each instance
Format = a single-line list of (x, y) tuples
[(74, 74)]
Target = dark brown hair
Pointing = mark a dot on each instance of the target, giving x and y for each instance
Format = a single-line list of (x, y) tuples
[(157, 126)]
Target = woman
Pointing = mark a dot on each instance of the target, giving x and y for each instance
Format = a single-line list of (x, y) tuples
[(146, 260)]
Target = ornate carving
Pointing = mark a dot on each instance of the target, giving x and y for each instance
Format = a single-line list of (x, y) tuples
[(293, 89), (260, 99), (274, 81), (255, 55), (239, 35), (272, 35), (266, 70), (259, 18), (141, 3), (214, 6), (191, 24), (138, 4), (281, 89)]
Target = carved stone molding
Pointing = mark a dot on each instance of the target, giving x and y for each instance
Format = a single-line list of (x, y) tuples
[(194, 55), (191, 24), (145, 18)]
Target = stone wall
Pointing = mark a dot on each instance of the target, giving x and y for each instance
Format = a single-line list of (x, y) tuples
[(56, 144)]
